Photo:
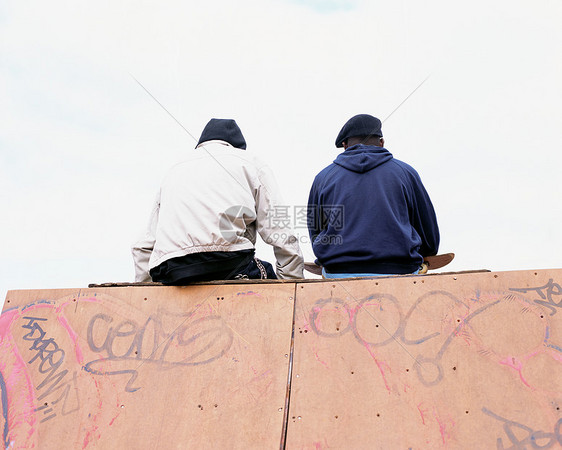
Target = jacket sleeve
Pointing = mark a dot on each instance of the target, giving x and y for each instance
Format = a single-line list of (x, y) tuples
[(273, 225), (142, 249), (314, 214), (423, 218)]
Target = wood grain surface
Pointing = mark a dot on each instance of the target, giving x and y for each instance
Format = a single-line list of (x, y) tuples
[(452, 361)]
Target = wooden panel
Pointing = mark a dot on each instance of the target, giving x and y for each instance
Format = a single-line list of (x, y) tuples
[(447, 361), (145, 367)]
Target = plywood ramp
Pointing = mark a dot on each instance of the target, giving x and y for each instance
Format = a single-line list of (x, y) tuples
[(161, 367), (441, 361), (469, 361)]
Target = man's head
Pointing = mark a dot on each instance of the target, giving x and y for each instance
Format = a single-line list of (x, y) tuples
[(223, 130), (360, 129)]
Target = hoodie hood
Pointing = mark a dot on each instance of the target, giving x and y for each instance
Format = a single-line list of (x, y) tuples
[(223, 130), (361, 158)]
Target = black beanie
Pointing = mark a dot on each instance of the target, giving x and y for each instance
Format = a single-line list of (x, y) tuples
[(223, 130), (359, 125)]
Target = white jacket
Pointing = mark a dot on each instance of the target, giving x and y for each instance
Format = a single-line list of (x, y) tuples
[(216, 200)]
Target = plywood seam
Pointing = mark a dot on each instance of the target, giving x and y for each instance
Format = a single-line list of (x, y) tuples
[(285, 425)]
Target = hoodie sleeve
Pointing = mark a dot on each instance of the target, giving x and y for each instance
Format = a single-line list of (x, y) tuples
[(142, 249), (423, 218), (313, 213), (275, 232)]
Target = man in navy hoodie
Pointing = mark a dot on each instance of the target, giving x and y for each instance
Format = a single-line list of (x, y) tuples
[(369, 213)]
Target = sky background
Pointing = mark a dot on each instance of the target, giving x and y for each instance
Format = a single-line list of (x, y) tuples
[(83, 147)]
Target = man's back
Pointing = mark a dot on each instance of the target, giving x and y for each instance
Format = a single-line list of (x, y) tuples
[(196, 197), (208, 212), (386, 221), (368, 212)]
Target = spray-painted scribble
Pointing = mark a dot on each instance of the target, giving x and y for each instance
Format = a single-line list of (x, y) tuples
[(423, 364), (127, 345), (4, 397), (428, 368), (546, 293), (50, 358), (354, 313), (532, 438)]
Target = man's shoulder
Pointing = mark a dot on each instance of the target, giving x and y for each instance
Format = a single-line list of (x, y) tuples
[(221, 154), (404, 167), (326, 171)]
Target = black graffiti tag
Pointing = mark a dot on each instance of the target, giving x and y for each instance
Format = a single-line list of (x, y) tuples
[(546, 292), (127, 345), (50, 357), (428, 369), (533, 438)]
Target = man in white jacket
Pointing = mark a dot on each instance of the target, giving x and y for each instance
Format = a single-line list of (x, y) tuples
[(210, 206)]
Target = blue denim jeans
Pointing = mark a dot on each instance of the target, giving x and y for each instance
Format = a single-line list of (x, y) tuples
[(359, 275)]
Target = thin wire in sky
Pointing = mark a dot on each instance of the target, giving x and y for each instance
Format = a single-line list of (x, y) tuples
[(163, 107), (406, 99), (401, 103), (186, 130)]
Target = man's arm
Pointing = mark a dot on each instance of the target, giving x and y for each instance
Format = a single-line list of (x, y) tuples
[(277, 233), (142, 249), (313, 214), (424, 219)]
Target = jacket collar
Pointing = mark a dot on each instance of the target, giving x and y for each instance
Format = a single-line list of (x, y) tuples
[(215, 141)]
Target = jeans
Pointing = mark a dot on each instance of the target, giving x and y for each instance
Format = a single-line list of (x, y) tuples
[(360, 275)]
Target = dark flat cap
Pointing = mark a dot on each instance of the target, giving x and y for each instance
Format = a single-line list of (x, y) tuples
[(359, 125), (223, 130)]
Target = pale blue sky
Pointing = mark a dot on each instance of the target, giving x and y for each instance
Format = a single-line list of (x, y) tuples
[(83, 148), (328, 6)]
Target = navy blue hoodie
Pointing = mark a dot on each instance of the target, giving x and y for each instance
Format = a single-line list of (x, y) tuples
[(370, 213)]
